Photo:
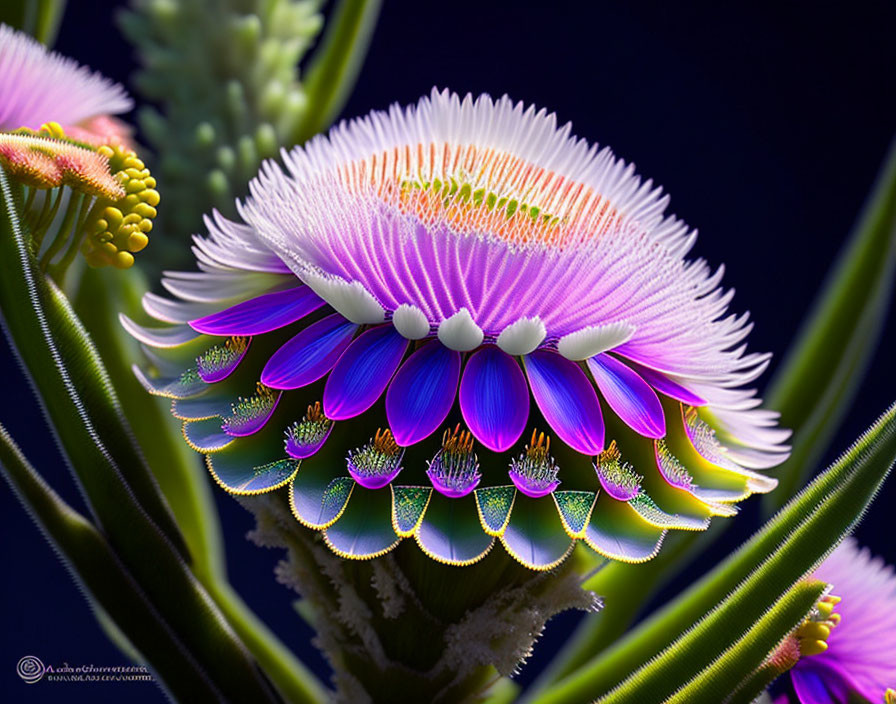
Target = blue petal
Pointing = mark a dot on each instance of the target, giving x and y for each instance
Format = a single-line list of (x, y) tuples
[(422, 393), (567, 400), (309, 355), (363, 372), (629, 396), (262, 314), (494, 398)]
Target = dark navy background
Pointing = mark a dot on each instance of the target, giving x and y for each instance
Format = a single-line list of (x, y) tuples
[(766, 126)]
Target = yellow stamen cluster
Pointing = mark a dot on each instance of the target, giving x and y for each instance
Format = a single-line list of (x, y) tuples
[(890, 696), (814, 632), (120, 228), (540, 445)]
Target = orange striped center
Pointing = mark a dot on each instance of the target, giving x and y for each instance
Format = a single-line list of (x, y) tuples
[(475, 189)]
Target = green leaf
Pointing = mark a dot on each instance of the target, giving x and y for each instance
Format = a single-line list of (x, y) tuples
[(745, 585), (817, 382), (104, 579), (335, 65), (77, 397), (39, 18), (101, 295)]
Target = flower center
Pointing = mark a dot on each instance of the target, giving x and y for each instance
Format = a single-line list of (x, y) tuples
[(377, 463), (466, 187), (534, 472), (454, 471), (305, 437)]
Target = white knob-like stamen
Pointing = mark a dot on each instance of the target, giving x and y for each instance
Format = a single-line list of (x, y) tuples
[(410, 322), (522, 337), (348, 298), (587, 342), (459, 332)]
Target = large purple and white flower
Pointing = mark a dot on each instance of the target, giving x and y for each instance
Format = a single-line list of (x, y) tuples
[(416, 291)]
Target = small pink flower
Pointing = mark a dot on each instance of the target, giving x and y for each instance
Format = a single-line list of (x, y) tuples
[(861, 654), (39, 86)]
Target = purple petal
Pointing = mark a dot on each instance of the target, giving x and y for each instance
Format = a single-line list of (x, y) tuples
[(818, 686), (567, 400), (262, 314), (628, 395), (249, 416), (665, 385), (363, 372), (309, 355), (494, 399), (533, 488), (375, 481), (422, 393)]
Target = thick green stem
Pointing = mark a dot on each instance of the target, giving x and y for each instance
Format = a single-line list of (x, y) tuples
[(402, 627)]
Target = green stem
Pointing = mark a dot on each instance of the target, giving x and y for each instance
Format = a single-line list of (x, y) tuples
[(49, 16), (81, 406), (40, 222), (30, 194), (59, 270), (753, 686), (104, 580), (334, 68), (64, 231), (295, 682), (815, 385), (39, 18), (714, 684)]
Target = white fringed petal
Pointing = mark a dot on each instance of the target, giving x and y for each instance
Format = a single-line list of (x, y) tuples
[(169, 336), (460, 333), (410, 322), (585, 343), (522, 337)]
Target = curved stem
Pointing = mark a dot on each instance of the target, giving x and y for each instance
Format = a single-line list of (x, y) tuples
[(335, 66)]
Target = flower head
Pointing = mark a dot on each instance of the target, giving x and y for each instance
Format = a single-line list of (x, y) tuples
[(858, 656), (449, 263), (39, 86), (56, 131)]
